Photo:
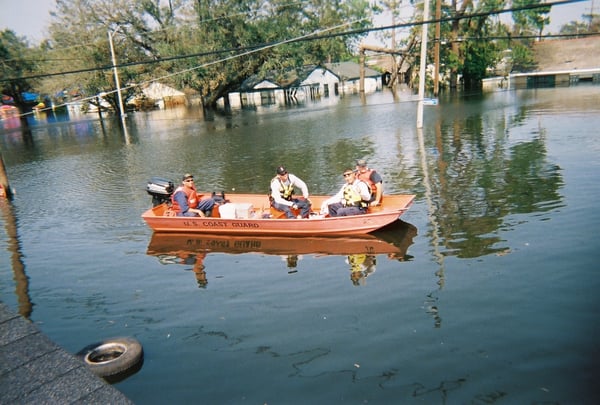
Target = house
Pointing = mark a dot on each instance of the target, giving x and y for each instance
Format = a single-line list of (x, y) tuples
[(386, 63), (158, 95), (289, 87), (308, 83), (559, 62), (349, 74)]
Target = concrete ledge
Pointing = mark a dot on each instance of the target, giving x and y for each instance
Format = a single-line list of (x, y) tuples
[(35, 370)]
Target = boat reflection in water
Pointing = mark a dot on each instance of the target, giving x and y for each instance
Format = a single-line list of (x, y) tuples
[(359, 252)]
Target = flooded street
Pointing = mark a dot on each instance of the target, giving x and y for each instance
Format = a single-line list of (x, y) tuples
[(485, 292)]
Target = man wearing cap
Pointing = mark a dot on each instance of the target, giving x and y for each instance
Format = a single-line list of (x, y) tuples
[(373, 179), (282, 190), (352, 199), (186, 202)]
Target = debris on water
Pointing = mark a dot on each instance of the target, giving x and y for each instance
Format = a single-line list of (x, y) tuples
[(504, 252)]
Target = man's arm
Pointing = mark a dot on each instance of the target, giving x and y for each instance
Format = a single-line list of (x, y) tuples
[(296, 181), (181, 199), (378, 194), (363, 190), (378, 181)]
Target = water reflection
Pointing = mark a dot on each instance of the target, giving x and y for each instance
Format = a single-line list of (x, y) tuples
[(359, 252), (479, 176), (361, 266), (14, 247)]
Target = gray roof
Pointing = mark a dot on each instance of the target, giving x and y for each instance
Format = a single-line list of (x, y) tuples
[(567, 54), (286, 79), (350, 70)]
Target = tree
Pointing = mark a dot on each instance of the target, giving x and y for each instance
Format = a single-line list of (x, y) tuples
[(80, 42), (470, 54), (17, 61), (522, 58), (244, 25), (206, 45), (574, 28), (534, 19)]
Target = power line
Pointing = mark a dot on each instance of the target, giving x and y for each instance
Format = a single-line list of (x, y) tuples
[(312, 37)]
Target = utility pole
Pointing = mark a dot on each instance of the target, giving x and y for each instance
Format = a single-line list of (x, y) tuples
[(436, 52), (116, 73), (423, 66)]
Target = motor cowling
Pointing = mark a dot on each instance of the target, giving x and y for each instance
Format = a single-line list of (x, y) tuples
[(160, 189)]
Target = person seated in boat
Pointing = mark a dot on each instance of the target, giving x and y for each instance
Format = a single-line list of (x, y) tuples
[(186, 202), (352, 199), (373, 179), (282, 190)]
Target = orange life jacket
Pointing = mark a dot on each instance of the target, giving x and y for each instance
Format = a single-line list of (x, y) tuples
[(190, 193), (366, 177)]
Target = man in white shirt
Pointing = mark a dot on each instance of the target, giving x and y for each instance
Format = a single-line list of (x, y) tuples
[(282, 190), (352, 199)]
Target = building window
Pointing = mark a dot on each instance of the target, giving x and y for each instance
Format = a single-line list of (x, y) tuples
[(267, 97)]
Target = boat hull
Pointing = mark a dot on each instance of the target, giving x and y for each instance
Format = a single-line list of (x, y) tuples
[(260, 221)]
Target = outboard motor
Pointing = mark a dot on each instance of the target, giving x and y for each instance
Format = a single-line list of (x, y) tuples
[(160, 189)]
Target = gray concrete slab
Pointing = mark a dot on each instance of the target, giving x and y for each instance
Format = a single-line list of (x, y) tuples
[(35, 370)]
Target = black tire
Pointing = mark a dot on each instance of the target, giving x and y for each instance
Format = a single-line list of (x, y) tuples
[(113, 358)]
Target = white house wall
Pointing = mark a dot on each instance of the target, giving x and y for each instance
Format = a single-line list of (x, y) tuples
[(322, 77), (254, 98), (317, 78), (353, 86)]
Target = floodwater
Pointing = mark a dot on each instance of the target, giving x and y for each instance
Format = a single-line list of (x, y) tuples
[(486, 292)]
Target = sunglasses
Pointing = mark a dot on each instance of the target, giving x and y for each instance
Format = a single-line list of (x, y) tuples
[(347, 174), (188, 180)]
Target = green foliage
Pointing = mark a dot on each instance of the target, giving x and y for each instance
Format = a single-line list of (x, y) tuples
[(208, 46), (532, 20), (576, 28), (522, 58), (212, 46), (18, 60), (479, 56)]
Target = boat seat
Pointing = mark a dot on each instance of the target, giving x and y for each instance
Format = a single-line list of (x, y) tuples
[(276, 214), (163, 210)]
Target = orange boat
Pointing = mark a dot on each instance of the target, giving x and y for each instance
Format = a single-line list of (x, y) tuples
[(251, 214)]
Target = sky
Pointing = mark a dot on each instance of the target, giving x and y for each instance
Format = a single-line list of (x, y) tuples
[(30, 18)]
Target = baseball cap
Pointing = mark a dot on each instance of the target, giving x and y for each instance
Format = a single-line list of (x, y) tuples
[(281, 170)]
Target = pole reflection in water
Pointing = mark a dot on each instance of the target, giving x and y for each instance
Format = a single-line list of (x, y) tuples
[(359, 252), (14, 247), (430, 303)]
